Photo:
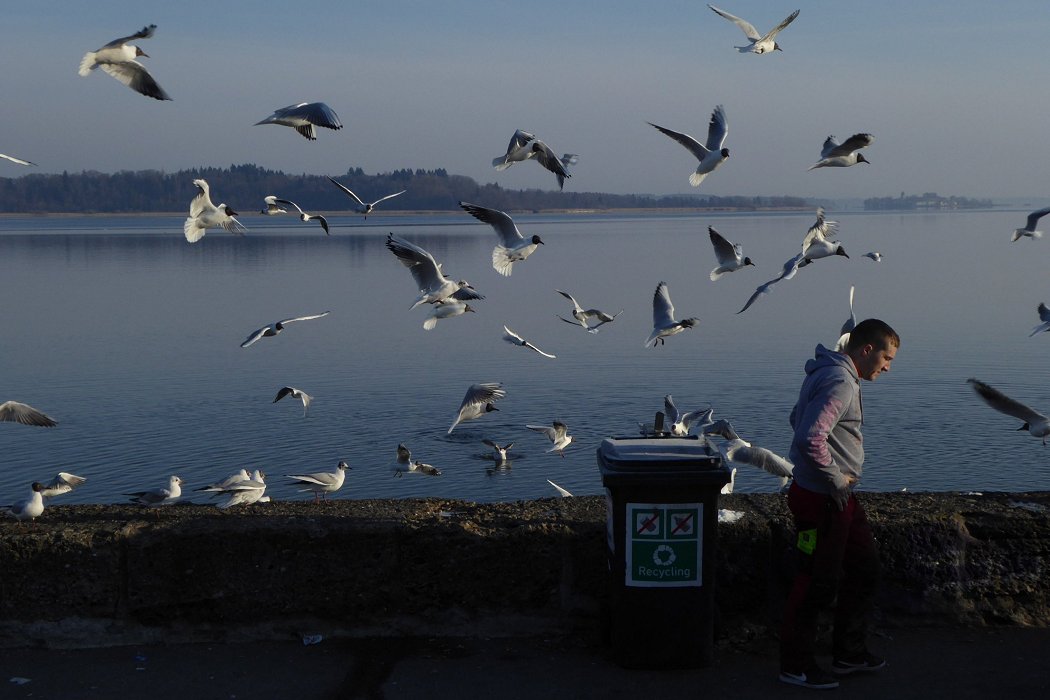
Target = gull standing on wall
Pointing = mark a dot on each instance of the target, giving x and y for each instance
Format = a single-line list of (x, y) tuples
[(155, 498), (321, 483), (29, 508), (117, 58)]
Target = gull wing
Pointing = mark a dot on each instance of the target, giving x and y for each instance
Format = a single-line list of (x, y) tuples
[(1034, 217), (345, 189), (749, 31), (389, 196), (16, 160), (425, 270), (65, 479), (285, 391), (479, 394), (663, 309), (254, 336), (518, 140), (575, 304), (16, 412), (853, 143), (286, 202), (830, 144), (776, 30), (692, 145), (725, 251), (819, 230), (144, 33), (789, 270), (550, 160), (742, 452), (286, 321), (500, 221), (549, 430), (1004, 404), (203, 199), (135, 76), (317, 113), (561, 492), (717, 129), (670, 410)]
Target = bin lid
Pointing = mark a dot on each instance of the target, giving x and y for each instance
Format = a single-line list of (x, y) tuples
[(633, 459)]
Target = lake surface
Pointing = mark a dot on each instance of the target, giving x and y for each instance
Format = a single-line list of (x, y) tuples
[(129, 337)]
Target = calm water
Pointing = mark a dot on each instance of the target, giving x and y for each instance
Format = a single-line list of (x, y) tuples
[(129, 337)]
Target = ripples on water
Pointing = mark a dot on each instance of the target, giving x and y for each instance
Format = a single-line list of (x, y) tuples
[(130, 338)]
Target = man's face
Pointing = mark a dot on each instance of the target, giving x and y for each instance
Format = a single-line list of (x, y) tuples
[(873, 360)]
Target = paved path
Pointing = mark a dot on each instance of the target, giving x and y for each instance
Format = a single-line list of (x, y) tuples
[(923, 663)]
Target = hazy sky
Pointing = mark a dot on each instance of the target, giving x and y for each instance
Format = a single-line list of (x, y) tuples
[(956, 95)]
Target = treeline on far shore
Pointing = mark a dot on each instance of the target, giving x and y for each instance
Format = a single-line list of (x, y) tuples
[(243, 187)]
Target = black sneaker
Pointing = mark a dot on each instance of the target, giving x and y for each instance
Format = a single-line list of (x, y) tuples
[(813, 678), (863, 662)]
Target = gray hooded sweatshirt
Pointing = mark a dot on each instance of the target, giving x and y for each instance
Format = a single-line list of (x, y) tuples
[(827, 447)]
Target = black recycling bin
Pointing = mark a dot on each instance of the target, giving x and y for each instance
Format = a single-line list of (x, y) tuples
[(661, 530)]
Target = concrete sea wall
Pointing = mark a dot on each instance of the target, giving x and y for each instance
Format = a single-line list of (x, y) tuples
[(100, 575)]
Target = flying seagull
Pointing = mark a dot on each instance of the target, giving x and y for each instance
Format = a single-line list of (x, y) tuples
[(1044, 317), (845, 154), (682, 423), (741, 452), (759, 43), (874, 255), (730, 256), (664, 324), (432, 284), (557, 433), (321, 483), (117, 58), (711, 155), (848, 326), (525, 146), (63, 483), (816, 244), (205, 215), (304, 116), (1029, 227), (446, 308), (513, 247), (515, 339), (19, 161), (787, 272), (276, 327), (406, 465), (295, 394), (585, 316), (1035, 423), (15, 412), (478, 401), (273, 206), (363, 207)]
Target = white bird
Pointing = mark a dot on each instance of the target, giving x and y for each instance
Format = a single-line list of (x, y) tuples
[(525, 146), (15, 412), (478, 401), (585, 316), (557, 433), (304, 116), (759, 43), (363, 207), (740, 452), (295, 394), (29, 508), (731, 484), (816, 244), (1029, 227), (874, 255), (321, 483), (711, 155), (117, 58), (273, 206), (158, 497), (664, 324), (63, 483), (720, 427), (19, 161), (845, 154), (205, 215), (848, 326), (220, 486), (730, 256), (1044, 316), (563, 493), (431, 281), (245, 492), (446, 308), (276, 327), (682, 423), (406, 465), (513, 247), (499, 454), (787, 272), (1034, 422), (515, 339)]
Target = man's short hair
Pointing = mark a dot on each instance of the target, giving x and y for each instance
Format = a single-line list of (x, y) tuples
[(872, 331)]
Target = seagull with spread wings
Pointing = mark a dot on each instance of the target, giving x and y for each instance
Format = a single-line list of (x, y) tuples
[(1035, 423), (557, 433), (730, 256), (117, 58), (205, 215), (274, 204), (583, 317), (758, 43), (513, 247), (362, 207), (1029, 228), (712, 154), (525, 146), (276, 327), (18, 161), (304, 116), (664, 324), (845, 154), (295, 394), (515, 339), (426, 271), (479, 400), (16, 412)]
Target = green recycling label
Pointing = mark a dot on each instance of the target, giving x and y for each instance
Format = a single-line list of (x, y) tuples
[(664, 544)]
